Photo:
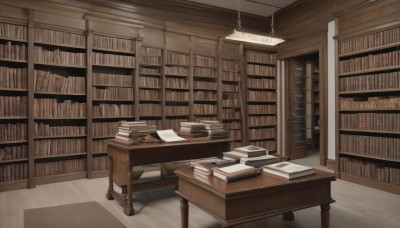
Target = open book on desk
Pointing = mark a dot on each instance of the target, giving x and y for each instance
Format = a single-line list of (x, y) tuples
[(169, 136)]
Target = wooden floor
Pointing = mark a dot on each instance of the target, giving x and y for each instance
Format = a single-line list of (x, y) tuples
[(356, 206)]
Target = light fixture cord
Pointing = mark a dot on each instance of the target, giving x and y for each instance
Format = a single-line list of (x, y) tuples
[(239, 22), (272, 20)]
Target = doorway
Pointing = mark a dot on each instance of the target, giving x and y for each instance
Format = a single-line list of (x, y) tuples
[(302, 105)]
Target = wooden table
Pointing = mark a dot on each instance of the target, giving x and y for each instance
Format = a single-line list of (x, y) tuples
[(123, 157), (254, 198)]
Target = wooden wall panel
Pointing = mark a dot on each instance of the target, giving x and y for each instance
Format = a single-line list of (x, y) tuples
[(59, 20), (177, 42), (117, 29), (14, 12), (303, 45), (230, 50), (203, 46), (153, 37)]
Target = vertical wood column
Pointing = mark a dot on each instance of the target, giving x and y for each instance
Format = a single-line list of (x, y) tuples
[(31, 100), (242, 97), (136, 76), (191, 73), (219, 80), (89, 99)]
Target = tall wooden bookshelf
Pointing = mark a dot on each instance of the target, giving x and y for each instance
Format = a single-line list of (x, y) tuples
[(14, 151), (316, 107), (369, 110), (59, 107), (150, 85), (261, 99), (113, 63), (176, 89)]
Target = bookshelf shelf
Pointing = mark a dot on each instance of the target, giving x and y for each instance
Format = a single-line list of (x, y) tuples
[(112, 117), (112, 66), (59, 137), (60, 94), (105, 85), (14, 40), (260, 76), (369, 113), (60, 65), (262, 114), (60, 156), (150, 75), (13, 161), (262, 126), (13, 90), (113, 51), (104, 137), (256, 88), (13, 142), (172, 88), (175, 76), (13, 117), (150, 65), (60, 45), (60, 118), (112, 100), (150, 87), (13, 60)]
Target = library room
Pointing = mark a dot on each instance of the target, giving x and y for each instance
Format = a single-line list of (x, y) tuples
[(199, 113)]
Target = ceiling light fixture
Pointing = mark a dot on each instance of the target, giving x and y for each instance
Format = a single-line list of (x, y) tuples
[(240, 35)]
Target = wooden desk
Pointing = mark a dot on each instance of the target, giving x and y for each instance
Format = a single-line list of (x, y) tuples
[(254, 198), (123, 157)]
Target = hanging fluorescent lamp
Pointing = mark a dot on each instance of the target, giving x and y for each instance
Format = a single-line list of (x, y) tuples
[(240, 35)]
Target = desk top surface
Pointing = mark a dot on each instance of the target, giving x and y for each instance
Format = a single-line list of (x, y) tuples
[(263, 182), (194, 141)]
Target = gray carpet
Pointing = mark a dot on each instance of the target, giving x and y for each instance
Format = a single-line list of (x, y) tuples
[(80, 215)]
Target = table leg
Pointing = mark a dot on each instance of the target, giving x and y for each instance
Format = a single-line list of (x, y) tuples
[(110, 179), (184, 213), (124, 190), (128, 209), (288, 216), (325, 215)]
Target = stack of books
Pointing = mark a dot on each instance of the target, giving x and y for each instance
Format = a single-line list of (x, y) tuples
[(133, 131), (192, 129), (251, 155), (215, 129), (288, 170), (235, 172), (204, 166)]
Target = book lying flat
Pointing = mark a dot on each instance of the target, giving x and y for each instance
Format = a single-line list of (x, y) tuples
[(169, 136), (204, 165), (250, 151), (260, 161), (235, 172), (288, 170)]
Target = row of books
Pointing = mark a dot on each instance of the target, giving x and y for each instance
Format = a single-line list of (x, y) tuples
[(261, 109), (230, 65), (13, 106), (150, 109), (174, 110), (133, 131), (58, 57), (113, 93), (262, 133), (204, 61), (49, 147), (46, 81), (235, 134), (150, 70), (204, 72), (261, 57), (59, 167), (12, 31), (13, 172), (150, 51), (370, 103), (204, 109), (59, 37), (149, 94), (13, 152), (384, 147), (100, 58), (262, 83), (177, 58), (261, 95), (371, 121), (205, 95), (44, 129), (234, 124), (269, 145), (209, 128), (112, 79), (371, 170), (230, 76), (149, 82), (13, 77), (13, 132), (370, 41), (48, 107), (260, 70), (113, 110), (174, 123), (371, 61), (176, 70), (231, 114), (113, 43), (171, 95), (100, 146), (381, 81), (100, 163), (230, 102), (104, 128), (261, 120), (150, 60), (176, 83), (204, 85), (230, 88), (9, 50)]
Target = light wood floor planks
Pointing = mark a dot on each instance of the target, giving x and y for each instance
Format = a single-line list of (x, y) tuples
[(355, 206)]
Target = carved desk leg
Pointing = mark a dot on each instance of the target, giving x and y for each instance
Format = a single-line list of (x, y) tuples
[(184, 213), (110, 179), (288, 216), (325, 215), (128, 209)]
